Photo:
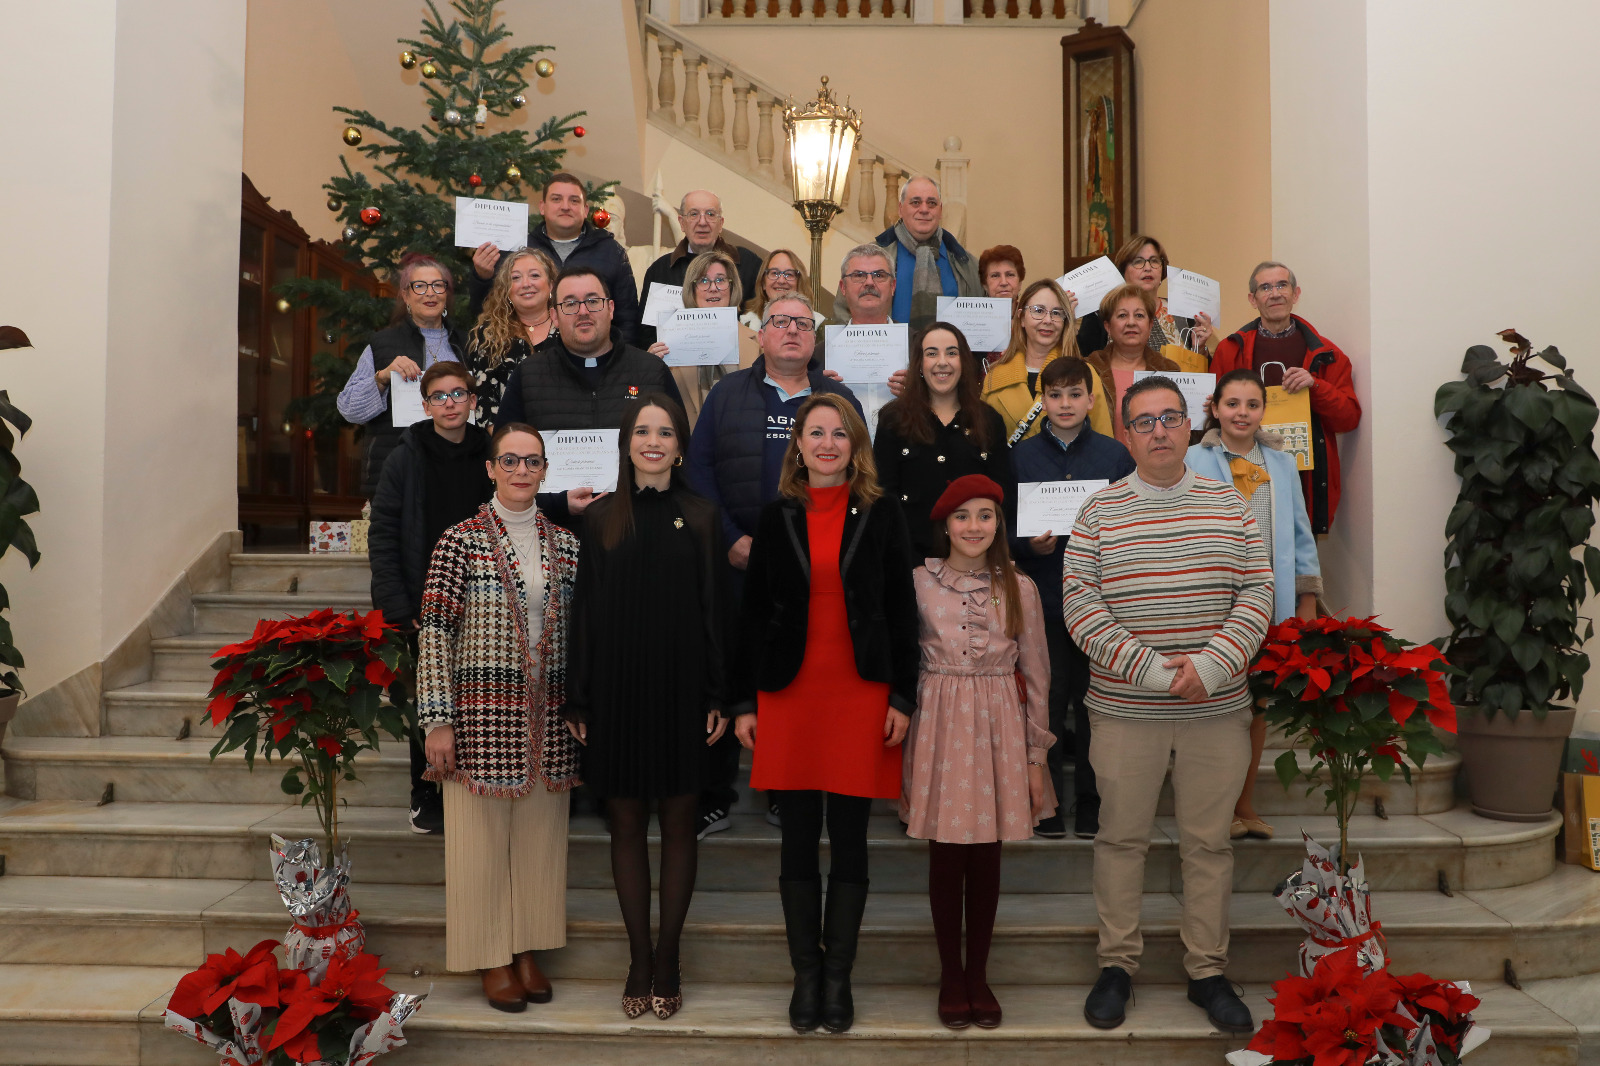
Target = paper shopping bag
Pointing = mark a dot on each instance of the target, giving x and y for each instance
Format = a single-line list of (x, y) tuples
[(1289, 415)]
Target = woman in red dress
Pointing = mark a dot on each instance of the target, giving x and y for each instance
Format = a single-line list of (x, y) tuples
[(827, 663)]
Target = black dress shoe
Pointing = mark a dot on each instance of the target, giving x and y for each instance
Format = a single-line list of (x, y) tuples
[(1086, 822), (1051, 828), (1223, 1007), (1107, 1005)]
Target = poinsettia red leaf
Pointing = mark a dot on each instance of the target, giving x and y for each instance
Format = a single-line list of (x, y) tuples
[(330, 746), (222, 706), (1401, 706), (379, 674)]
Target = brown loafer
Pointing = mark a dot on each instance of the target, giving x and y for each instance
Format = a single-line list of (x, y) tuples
[(535, 985), (503, 991)]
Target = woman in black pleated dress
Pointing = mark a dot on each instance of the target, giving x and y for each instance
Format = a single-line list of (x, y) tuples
[(645, 690)]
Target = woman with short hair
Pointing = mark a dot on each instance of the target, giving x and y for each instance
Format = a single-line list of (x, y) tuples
[(518, 315), (711, 280), (1129, 312), (1143, 262)]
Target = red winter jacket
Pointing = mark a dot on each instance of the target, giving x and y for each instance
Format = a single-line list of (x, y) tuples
[(1334, 409)]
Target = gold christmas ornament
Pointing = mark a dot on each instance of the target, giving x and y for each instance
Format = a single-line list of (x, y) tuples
[(544, 68), (284, 306), (408, 59), (352, 136), (333, 204), (452, 117), (430, 69), (512, 173)]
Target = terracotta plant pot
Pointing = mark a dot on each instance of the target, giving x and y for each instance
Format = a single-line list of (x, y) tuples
[(1512, 765), (8, 711)]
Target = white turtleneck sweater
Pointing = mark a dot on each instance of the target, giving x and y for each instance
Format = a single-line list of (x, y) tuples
[(524, 532)]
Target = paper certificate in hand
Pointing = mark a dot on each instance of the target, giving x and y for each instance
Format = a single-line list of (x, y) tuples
[(581, 459), (984, 321), (1052, 506), (700, 336), (405, 401), (1196, 389), (1089, 284), (504, 223), (1189, 293), (867, 355), (660, 300)]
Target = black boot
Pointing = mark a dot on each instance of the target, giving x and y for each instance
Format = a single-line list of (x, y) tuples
[(841, 927), (802, 922)]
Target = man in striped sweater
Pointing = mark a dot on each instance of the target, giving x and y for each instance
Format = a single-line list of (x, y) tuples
[(1167, 588)]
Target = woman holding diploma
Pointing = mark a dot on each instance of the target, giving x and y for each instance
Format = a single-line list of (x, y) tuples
[(1234, 449), (1128, 311), (827, 664), (518, 315), (1044, 330), (711, 280), (644, 695), (980, 622), (491, 676), (1144, 263), (938, 430)]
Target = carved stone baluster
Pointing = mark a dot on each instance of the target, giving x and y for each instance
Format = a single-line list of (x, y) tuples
[(650, 104), (741, 122), (691, 94), (666, 89), (892, 176), (865, 204), (764, 136), (715, 76)]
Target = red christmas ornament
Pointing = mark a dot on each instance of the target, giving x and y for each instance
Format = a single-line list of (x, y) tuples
[(371, 216), (578, 131), (601, 217), (475, 181)]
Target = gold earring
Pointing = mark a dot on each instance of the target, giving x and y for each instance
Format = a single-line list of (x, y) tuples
[(678, 461), (799, 460)]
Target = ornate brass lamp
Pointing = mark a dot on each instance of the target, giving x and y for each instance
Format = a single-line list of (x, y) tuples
[(822, 137)]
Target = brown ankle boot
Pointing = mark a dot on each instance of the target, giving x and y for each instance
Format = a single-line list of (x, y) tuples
[(535, 985), (503, 991)]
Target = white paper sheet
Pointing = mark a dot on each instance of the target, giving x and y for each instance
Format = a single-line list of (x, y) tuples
[(1196, 389), (580, 459), (868, 354), (504, 222), (405, 401), (983, 320), (1052, 506), (1090, 282), (700, 336), (1189, 293), (659, 299)]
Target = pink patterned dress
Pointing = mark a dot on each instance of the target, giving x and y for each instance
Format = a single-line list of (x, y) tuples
[(967, 754)]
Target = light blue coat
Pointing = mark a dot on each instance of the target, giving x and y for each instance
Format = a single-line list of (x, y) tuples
[(1295, 567)]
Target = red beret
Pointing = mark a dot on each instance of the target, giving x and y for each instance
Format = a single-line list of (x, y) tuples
[(962, 489)]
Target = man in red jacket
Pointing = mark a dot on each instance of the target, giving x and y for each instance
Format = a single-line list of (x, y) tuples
[(1310, 361)]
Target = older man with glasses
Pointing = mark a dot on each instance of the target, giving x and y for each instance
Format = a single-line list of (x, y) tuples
[(1167, 588), (700, 218), (930, 261)]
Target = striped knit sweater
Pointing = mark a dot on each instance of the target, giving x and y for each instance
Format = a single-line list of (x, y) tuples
[(1150, 572)]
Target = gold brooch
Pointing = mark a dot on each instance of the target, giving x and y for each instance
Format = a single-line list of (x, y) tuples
[(677, 523)]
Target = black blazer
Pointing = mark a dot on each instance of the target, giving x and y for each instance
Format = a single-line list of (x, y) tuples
[(880, 602)]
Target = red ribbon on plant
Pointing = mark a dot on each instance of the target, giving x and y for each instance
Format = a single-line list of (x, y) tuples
[(322, 932)]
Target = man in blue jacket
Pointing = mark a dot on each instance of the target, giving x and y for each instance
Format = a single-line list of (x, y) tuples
[(735, 456), (1066, 449)]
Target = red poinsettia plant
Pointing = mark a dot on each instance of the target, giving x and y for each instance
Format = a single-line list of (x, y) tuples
[(1355, 696), (310, 689)]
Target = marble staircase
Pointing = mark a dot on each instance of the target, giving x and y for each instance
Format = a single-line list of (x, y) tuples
[(103, 905)]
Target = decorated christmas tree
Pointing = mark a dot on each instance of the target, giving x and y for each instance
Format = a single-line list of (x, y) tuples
[(470, 77)]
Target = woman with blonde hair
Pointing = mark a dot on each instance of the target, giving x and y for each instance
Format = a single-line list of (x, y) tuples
[(781, 273), (827, 664), (1042, 332), (711, 280), (517, 317)]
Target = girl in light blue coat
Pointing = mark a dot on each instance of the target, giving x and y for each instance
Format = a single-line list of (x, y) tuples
[(1234, 449)]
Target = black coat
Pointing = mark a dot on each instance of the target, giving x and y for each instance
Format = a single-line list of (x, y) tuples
[(673, 265), (380, 434), (596, 249), (915, 475), (550, 393), (880, 600)]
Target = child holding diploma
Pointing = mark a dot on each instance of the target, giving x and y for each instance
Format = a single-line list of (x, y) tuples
[(1066, 449)]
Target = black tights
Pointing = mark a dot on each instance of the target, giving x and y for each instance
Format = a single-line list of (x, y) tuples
[(630, 869), (801, 813)]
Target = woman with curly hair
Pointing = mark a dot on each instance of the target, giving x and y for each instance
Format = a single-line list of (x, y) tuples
[(517, 317)]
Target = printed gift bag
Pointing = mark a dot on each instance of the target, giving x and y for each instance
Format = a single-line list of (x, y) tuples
[(358, 535), (330, 536)]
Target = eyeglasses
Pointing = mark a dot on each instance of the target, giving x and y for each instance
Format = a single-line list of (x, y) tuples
[(593, 304), (1039, 312), (784, 275), (859, 276), (509, 462), (1272, 286), (1147, 423), (804, 325), (422, 288), (696, 216), (439, 399), (712, 283), (1152, 261)]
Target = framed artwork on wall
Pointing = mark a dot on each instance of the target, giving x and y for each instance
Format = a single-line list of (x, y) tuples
[(1100, 141)]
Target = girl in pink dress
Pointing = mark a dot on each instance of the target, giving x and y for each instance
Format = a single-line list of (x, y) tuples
[(975, 755)]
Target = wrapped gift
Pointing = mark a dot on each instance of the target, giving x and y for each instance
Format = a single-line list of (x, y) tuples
[(330, 536), (358, 535), (1582, 754), (1580, 815)]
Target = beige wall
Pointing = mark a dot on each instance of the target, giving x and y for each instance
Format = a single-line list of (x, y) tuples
[(1205, 144), (120, 208)]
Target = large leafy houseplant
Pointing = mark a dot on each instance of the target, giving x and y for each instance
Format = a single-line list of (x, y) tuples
[(17, 501), (1514, 576)]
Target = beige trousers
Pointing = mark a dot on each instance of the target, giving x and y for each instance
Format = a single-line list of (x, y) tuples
[(1209, 757), (505, 876)]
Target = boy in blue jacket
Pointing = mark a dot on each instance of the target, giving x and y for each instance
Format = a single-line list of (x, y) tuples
[(1066, 449)]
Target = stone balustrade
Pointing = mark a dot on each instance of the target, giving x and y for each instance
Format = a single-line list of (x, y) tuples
[(1055, 13)]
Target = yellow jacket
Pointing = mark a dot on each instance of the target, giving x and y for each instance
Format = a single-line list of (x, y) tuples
[(1006, 390)]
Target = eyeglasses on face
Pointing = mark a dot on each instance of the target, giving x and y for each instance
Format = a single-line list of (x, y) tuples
[(804, 325), (859, 276), (1039, 312), (509, 462), (592, 304), (440, 398), (712, 283), (1147, 423), (1145, 261), (1272, 286), (696, 216), (422, 288), (783, 275)]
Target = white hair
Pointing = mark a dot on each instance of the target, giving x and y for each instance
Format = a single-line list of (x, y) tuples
[(920, 177), (691, 192), (863, 251), (1271, 264)]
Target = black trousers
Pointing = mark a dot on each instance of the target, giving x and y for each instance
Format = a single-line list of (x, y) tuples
[(1069, 683)]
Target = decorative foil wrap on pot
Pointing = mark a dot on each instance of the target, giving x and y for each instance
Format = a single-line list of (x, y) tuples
[(383, 1032), (245, 1047), (1334, 910), (318, 900)]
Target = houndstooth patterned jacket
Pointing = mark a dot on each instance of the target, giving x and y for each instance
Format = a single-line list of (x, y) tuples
[(475, 670)]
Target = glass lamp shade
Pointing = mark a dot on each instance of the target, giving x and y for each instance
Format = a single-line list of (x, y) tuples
[(822, 138)]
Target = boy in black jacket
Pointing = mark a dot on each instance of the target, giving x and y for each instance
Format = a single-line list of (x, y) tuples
[(1065, 449), (435, 478)]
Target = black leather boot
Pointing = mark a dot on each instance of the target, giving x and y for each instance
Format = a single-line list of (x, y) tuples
[(802, 922), (841, 927)]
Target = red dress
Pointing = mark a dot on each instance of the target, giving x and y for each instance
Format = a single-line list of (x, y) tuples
[(824, 730)]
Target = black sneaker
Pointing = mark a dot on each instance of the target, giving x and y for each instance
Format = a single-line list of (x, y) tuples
[(1052, 828), (426, 819), (713, 820), (1107, 1005), (773, 818), (1086, 822), (1223, 1007)]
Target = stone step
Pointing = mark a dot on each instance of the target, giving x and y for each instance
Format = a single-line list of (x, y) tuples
[(238, 612), (188, 657), (112, 1016), (224, 840), (1548, 929), (159, 709), (157, 770), (300, 573)]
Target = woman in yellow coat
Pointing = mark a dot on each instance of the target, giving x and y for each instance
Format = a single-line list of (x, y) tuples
[(1043, 331)]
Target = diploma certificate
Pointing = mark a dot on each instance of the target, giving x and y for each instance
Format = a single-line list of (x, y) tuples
[(984, 321), (1052, 506), (868, 354), (503, 222), (405, 401), (1189, 293), (1196, 389), (700, 336), (1090, 282), (581, 459), (659, 300)]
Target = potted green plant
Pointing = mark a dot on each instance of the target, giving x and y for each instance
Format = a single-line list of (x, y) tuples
[(1514, 576), (17, 501)]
